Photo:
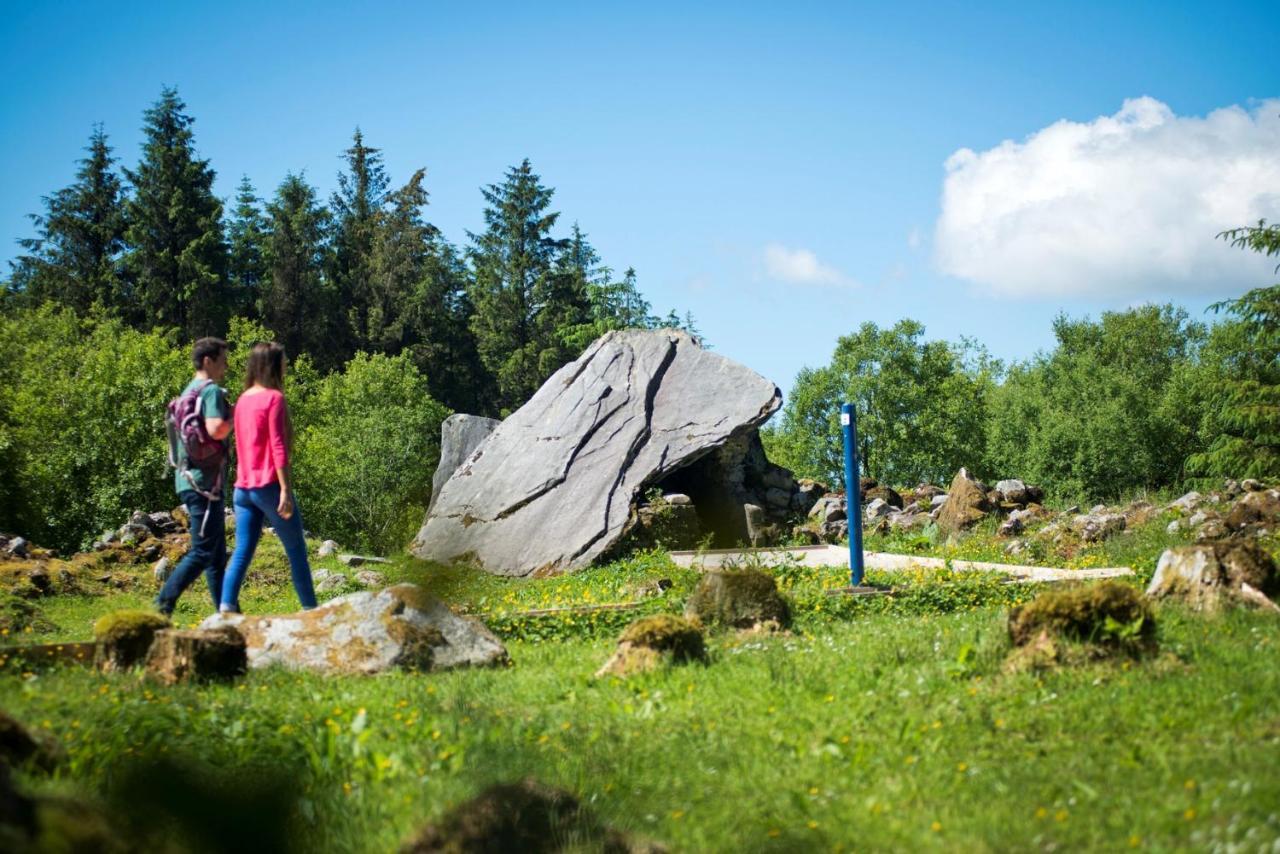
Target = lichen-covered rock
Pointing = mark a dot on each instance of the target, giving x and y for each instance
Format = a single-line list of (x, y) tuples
[(1096, 526), (966, 505), (739, 599), (652, 641), (1259, 507), (196, 655), (527, 817), (124, 637), (1210, 576), (1012, 490), (402, 627), (552, 487), (1096, 613)]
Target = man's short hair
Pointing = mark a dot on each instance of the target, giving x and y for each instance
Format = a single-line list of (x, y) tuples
[(207, 348)]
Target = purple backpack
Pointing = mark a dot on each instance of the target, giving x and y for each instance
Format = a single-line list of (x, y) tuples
[(184, 423)]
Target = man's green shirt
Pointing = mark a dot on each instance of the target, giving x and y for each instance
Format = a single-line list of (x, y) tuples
[(213, 404)]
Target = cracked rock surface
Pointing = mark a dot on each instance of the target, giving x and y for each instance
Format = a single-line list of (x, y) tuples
[(552, 487)]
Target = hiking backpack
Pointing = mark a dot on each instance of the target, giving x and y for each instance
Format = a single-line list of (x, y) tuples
[(184, 424)]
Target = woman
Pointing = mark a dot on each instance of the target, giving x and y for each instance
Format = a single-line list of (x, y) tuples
[(262, 477)]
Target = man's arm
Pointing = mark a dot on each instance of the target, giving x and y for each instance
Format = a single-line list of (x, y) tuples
[(219, 428), (218, 423)]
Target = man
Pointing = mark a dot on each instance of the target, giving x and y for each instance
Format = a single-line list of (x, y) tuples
[(201, 489)]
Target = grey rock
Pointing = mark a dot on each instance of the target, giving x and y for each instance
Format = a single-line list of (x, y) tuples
[(807, 494), (778, 498), (1213, 529), (327, 549), (1173, 527), (936, 501), (1015, 523), (460, 436), (331, 582), (151, 552), (1013, 491), (1187, 503), (371, 578), (1231, 488), (878, 507), (368, 632), (553, 486), (19, 547), (928, 491), (759, 530), (677, 499), (1096, 527), (360, 560), (1251, 485), (776, 477), (1200, 517), (1072, 510), (1212, 575), (1097, 509), (908, 521)]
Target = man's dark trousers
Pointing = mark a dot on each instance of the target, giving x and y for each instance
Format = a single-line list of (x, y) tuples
[(208, 552)]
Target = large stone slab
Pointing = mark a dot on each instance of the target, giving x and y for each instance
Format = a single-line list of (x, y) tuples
[(400, 627), (552, 487), (460, 435)]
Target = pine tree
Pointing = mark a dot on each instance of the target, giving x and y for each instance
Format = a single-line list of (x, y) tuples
[(565, 322), (397, 263), (1245, 396), (246, 240), (356, 208), (74, 259), (295, 304), (177, 258), (513, 260)]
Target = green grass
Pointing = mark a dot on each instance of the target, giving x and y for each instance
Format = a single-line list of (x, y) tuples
[(881, 724)]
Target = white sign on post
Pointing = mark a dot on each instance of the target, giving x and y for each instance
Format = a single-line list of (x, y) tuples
[(844, 419)]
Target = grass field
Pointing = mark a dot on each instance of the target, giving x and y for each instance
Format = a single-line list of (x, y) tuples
[(878, 725)]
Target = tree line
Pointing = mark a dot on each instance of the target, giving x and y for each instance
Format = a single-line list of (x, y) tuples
[(1145, 398), (365, 272)]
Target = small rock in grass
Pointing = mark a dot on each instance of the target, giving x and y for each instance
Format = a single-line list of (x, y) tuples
[(124, 637), (527, 817), (739, 599), (196, 655), (329, 582), (327, 548), (651, 641), (360, 560), (371, 578)]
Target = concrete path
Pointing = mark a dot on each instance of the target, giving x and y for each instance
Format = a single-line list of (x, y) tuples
[(839, 556)]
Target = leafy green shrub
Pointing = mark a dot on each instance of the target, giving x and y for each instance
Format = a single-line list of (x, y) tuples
[(367, 444), (81, 423)]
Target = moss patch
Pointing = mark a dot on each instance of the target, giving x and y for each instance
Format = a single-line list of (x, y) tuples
[(667, 633), (20, 616)]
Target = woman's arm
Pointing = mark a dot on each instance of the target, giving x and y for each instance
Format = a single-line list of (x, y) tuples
[(278, 436)]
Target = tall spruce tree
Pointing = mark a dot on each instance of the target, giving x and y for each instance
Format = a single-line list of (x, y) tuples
[(295, 304), (74, 258), (177, 258), (513, 261), (246, 241), (397, 262), (356, 207)]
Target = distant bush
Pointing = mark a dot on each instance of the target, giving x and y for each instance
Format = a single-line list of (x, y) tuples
[(81, 423), (367, 443)]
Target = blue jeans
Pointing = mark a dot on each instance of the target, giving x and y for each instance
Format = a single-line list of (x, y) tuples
[(208, 552), (252, 507)]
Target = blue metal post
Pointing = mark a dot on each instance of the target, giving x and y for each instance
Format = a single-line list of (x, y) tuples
[(853, 496)]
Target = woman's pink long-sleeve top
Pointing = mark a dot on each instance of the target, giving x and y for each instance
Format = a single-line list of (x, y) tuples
[(262, 438)]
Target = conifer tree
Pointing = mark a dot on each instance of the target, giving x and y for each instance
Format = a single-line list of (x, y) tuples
[(397, 262), (74, 259), (295, 305), (177, 258), (246, 241), (356, 208), (513, 260)]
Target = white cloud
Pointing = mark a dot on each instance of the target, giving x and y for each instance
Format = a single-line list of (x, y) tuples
[(1122, 206), (800, 267)]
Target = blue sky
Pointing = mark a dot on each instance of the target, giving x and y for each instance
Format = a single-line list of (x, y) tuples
[(785, 172)]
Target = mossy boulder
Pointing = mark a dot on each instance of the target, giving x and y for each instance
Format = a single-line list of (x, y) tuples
[(738, 599), (526, 816), (650, 642), (886, 494), (967, 504), (1081, 622), (124, 638)]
